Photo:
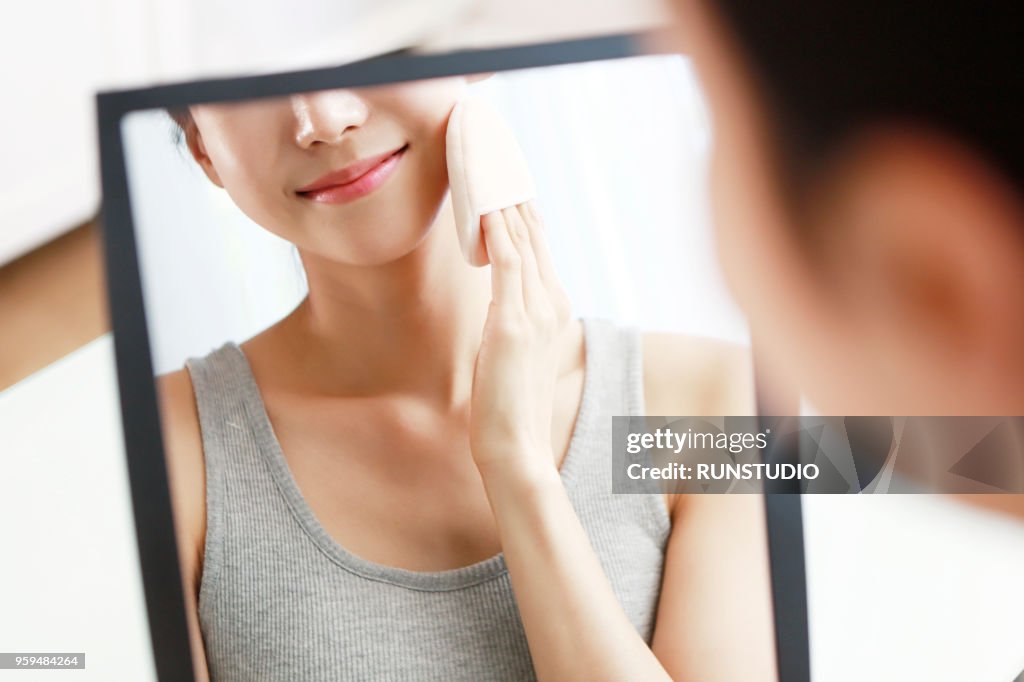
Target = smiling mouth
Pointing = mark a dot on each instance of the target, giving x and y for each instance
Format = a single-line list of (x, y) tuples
[(355, 180)]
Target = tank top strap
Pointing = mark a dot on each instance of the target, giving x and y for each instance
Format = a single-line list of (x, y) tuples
[(221, 385), (616, 359), (615, 387), (219, 381)]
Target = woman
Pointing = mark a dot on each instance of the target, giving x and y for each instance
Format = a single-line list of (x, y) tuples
[(407, 477)]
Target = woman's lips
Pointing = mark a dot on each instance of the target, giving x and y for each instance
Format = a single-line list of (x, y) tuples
[(354, 180)]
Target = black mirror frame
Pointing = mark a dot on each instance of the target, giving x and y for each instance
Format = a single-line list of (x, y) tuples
[(143, 440)]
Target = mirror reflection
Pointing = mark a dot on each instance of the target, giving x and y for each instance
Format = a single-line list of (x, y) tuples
[(388, 425)]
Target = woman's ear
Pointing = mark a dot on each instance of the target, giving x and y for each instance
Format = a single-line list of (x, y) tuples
[(194, 140), (923, 242)]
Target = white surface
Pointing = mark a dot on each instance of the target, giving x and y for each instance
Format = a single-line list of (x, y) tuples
[(913, 587), (271, 35), (213, 38), (901, 588), (48, 175), (69, 577), (617, 150), (500, 22)]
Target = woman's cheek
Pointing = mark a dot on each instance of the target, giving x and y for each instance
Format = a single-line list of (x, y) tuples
[(263, 200)]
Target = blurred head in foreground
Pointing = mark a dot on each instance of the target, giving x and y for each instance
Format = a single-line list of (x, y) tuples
[(868, 181)]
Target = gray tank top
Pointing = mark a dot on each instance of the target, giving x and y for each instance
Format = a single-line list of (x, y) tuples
[(281, 600)]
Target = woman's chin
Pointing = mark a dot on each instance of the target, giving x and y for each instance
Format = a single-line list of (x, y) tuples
[(376, 254)]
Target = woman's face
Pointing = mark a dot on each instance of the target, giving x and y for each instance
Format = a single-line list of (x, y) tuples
[(355, 176)]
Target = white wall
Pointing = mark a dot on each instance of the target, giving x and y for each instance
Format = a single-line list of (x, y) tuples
[(48, 178), (69, 576), (913, 587)]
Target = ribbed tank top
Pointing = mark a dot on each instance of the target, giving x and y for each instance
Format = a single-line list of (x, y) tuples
[(279, 599)]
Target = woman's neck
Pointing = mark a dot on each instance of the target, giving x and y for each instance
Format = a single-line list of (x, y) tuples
[(411, 326)]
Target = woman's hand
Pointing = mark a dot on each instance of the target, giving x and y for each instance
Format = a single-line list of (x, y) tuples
[(574, 624), (517, 366)]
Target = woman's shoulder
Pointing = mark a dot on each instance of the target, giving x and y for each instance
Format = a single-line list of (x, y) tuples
[(177, 404), (178, 413), (183, 450), (688, 375)]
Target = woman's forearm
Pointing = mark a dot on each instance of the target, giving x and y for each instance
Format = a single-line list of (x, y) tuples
[(574, 624)]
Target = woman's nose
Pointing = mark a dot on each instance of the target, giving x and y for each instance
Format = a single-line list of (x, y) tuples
[(326, 116)]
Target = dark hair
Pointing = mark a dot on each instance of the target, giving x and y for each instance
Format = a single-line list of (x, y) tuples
[(828, 68), (183, 124)]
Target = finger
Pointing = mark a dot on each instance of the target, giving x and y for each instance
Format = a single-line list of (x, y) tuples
[(545, 265), (534, 294), (535, 224), (506, 267)]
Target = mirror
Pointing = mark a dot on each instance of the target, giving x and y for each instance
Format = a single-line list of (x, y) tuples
[(333, 425)]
